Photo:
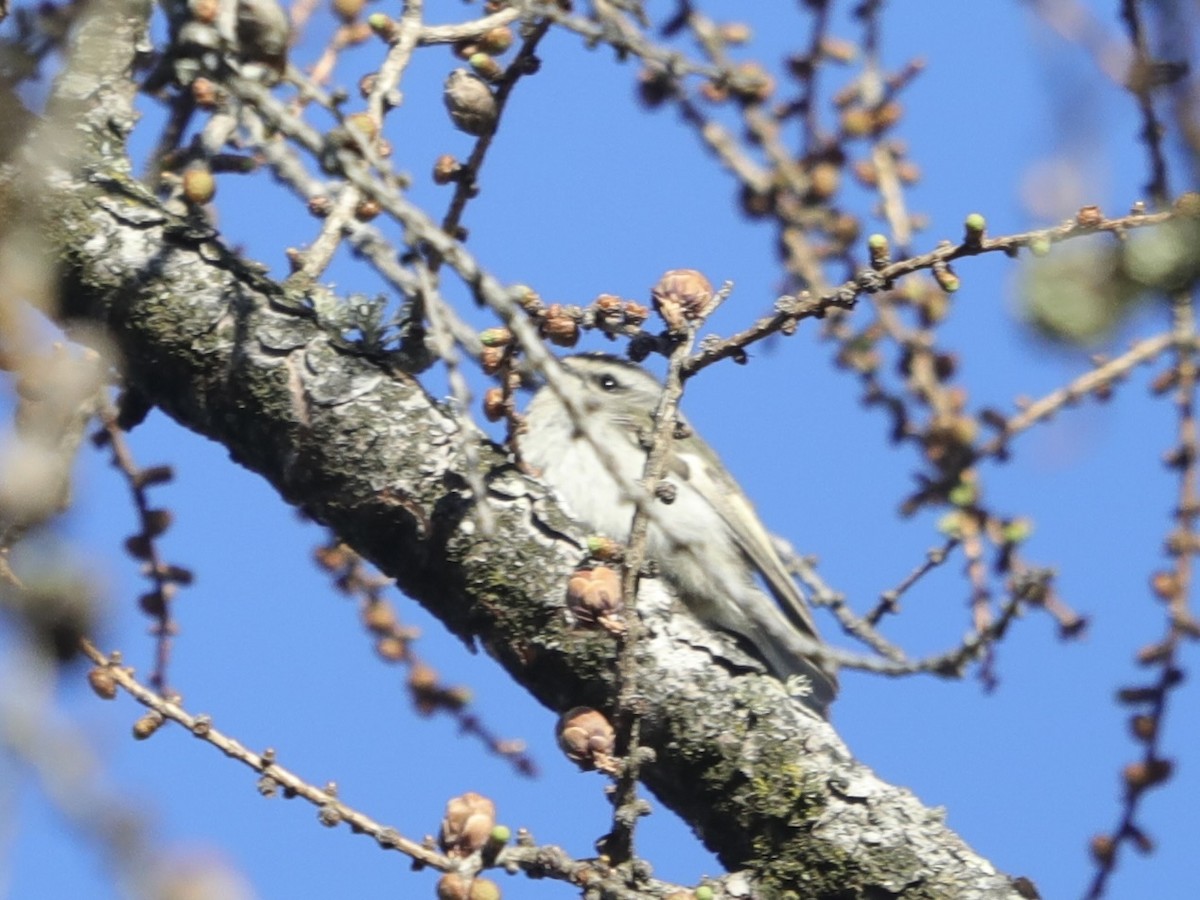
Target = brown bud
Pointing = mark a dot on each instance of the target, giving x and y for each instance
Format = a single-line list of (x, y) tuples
[(1135, 695), (391, 649), (453, 886), (945, 277), (1146, 773), (422, 677), (1154, 654), (348, 10), (379, 617), (367, 209), (467, 824), (594, 597), (496, 41), (205, 93), (1165, 584), (485, 66), (147, 724), (845, 228), (866, 173), (837, 49), (470, 102), (320, 206), (102, 682), (559, 328), (465, 49), (1142, 842), (713, 92), (608, 311), (682, 295), (635, 313), (607, 303), (199, 186), (484, 889), (1165, 380), (1089, 217), (887, 115), (333, 557), (495, 406), (527, 298), (491, 359), (908, 172), (856, 122), (1103, 849), (751, 83), (953, 432), (735, 32), (446, 169), (157, 521), (587, 738), (824, 180), (1144, 727), (356, 33)]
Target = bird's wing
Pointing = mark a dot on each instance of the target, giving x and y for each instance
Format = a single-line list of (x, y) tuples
[(704, 472)]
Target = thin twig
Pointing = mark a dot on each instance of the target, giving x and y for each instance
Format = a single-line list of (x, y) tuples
[(619, 843), (541, 861), (889, 600), (1102, 376), (790, 310), (165, 578)]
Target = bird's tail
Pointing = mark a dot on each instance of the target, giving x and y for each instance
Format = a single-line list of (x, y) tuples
[(785, 655)]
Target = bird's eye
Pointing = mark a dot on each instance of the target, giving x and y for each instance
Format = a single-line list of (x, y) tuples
[(607, 382)]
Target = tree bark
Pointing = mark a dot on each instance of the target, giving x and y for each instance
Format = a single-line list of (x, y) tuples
[(228, 353)]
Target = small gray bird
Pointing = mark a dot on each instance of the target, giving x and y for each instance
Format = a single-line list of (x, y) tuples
[(708, 542)]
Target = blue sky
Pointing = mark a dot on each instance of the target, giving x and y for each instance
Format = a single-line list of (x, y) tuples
[(585, 193)]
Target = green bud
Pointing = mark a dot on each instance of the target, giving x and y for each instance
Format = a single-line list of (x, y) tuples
[(975, 226), (1017, 530), (495, 337), (877, 246), (963, 494), (950, 524)]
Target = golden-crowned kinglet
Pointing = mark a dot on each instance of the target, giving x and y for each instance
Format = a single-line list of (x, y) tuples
[(708, 541)]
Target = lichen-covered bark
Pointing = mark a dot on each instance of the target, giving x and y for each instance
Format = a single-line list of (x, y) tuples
[(204, 336)]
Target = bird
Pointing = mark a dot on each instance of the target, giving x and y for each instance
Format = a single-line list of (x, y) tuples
[(708, 542)]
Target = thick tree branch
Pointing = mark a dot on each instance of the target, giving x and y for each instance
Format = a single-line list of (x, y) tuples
[(238, 358)]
